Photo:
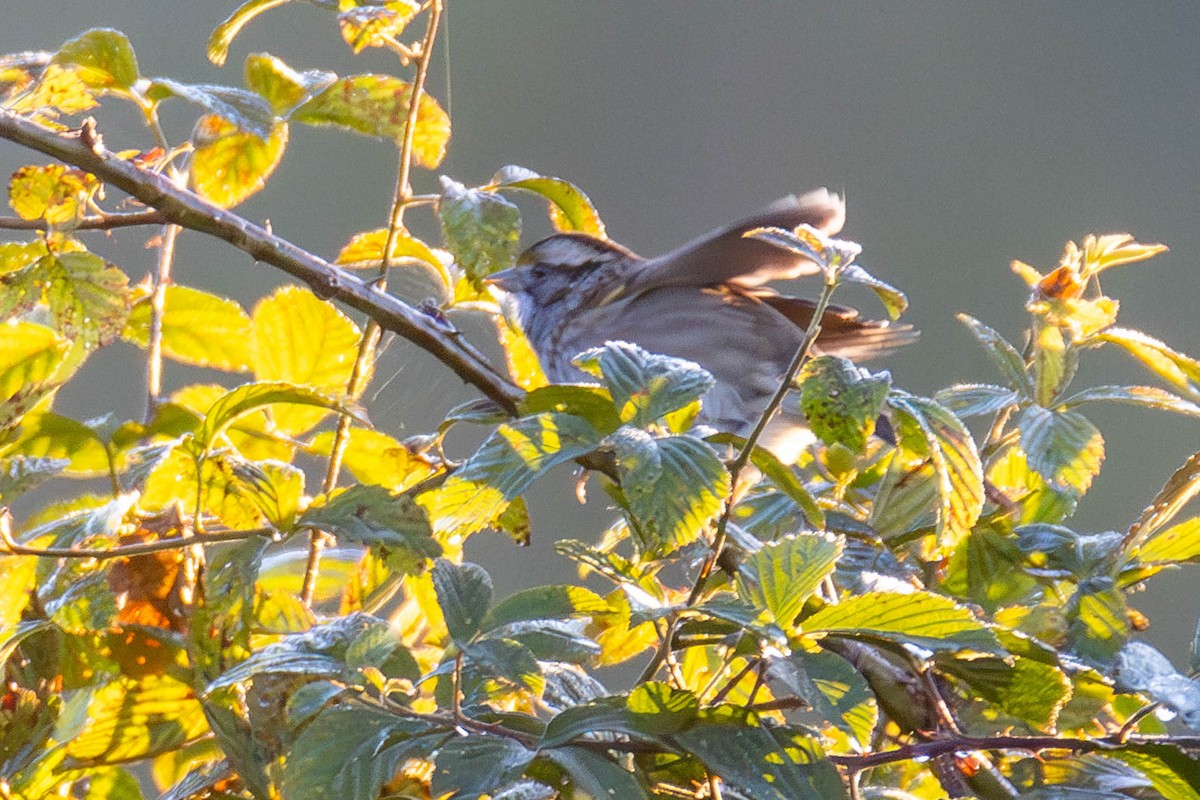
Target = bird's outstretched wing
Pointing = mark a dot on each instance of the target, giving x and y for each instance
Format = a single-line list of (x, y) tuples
[(726, 256), (843, 332)]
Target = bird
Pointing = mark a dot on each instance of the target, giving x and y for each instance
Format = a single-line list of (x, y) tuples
[(706, 301)]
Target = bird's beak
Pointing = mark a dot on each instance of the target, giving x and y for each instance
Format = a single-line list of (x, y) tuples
[(508, 280)]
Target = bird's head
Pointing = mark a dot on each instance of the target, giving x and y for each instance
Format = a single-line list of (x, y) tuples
[(558, 267)]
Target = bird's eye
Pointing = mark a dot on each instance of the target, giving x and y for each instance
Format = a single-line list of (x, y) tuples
[(538, 271)]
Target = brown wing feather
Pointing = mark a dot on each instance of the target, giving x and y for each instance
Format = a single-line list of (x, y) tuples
[(843, 332), (726, 256)]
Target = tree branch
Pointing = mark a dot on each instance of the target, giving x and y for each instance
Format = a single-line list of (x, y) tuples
[(98, 222), (82, 148)]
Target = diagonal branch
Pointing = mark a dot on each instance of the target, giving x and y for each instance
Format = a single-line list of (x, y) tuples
[(82, 148)]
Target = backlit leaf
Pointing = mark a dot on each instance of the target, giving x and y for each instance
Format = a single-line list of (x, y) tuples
[(377, 105), (393, 526), (976, 399), (894, 301), (128, 720), (842, 401), (673, 486), (955, 460), (783, 574), (103, 58), (570, 208), (480, 228), (503, 467), (1003, 355), (230, 164), (224, 34), (927, 620), (1064, 447), (645, 386), (255, 396), (55, 193), (302, 340), (376, 25), (198, 328)]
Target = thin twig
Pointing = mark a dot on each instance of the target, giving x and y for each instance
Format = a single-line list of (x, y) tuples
[(83, 149), (363, 360), (158, 307), (12, 547), (97, 222), (743, 458)]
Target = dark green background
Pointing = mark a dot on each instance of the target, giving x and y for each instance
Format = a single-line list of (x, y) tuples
[(965, 134)]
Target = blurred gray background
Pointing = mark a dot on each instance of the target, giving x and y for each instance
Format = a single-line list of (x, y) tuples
[(965, 134)]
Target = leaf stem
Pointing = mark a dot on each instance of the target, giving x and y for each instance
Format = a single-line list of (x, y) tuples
[(364, 359)]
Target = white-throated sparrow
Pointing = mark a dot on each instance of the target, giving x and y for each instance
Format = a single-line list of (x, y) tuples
[(704, 302)]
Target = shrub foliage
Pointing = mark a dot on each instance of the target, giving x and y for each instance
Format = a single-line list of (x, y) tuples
[(897, 619)]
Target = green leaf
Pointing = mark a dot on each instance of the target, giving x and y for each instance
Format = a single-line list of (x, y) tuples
[(551, 640), (302, 340), (54, 436), (374, 457), (1003, 355), (784, 477), (102, 57), (894, 301), (323, 650), (198, 328), (657, 709), (1142, 668), (508, 661), (88, 297), (926, 620), (393, 526), (365, 25), (570, 208), (276, 488), (760, 762), (593, 775), (347, 752), (592, 403), (1178, 543), (672, 486), (1054, 363), (1054, 547), (1029, 690), (238, 107), (281, 86), (377, 105), (833, 688), (229, 164), (20, 474), (1172, 772), (782, 575), (976, 399), (544, 602), (1177, 492), (955, 460), (503, 467), (1145, 396), (1097, 621), (464, 592), (129, 720), (254, 396), (1064, 447), (987, 568), (645, 387), (474, 766), (602, 715), (842, 401), (223, 36), (1179, 370), (480, 228)]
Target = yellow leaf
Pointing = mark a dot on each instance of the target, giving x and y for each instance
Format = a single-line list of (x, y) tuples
[(231, 164), (304, 341), (53, 192), (523, 363)]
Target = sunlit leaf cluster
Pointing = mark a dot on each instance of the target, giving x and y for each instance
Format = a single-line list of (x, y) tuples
[(252, 592)]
